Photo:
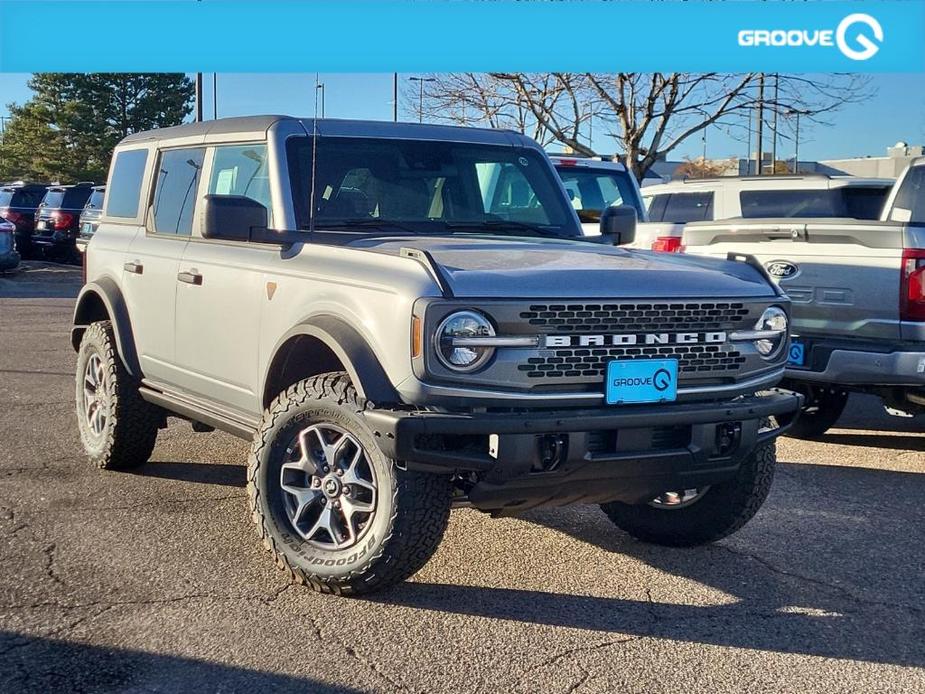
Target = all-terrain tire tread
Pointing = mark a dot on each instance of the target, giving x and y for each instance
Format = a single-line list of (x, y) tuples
[(132, 433), (711, 519), (414, 533)]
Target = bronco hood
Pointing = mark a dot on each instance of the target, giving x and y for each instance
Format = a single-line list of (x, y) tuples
[(511, 268)]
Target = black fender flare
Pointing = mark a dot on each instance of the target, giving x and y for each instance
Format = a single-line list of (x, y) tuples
[(108, 293), (358, 358)]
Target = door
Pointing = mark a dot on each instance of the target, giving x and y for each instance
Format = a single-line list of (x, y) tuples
[(153, 260), (222, 291)]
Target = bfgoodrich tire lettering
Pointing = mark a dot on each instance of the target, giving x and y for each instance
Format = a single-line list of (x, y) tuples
[(118, 429), (722, 510), (398, 537)]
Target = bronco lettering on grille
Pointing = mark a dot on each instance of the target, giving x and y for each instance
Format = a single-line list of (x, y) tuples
[(553, 341)]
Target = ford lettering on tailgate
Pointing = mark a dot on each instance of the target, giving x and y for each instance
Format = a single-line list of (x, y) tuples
[(642, 380)]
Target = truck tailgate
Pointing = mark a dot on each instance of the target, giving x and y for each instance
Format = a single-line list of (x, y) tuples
[(842, 275)]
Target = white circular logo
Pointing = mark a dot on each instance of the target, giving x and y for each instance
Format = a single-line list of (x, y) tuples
[(869, 48)]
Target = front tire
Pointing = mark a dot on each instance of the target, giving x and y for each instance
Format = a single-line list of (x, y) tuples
[(334, 511), (118, 429), (718, 511)]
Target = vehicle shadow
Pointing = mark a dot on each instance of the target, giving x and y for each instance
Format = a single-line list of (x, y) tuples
[(876, 440), (32, 664), (794, 602), (866, 413), (201, 473)]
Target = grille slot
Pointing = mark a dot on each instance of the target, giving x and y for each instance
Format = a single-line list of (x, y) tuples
[(567, 318), (573, 362)]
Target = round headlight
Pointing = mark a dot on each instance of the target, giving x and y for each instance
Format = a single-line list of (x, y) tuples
[(457, 337), (773, 320)]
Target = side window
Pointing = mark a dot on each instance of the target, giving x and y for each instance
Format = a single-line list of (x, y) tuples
[(175, 190), (689, 207), (911, 198), (657, 205), (125, 192), (242, 170)]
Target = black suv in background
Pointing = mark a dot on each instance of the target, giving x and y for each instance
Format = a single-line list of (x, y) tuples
[(18, 203), (90, 217), (57, 221)]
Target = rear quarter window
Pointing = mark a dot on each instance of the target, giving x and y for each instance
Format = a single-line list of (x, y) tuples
[(681, 208), (124, 192), (76, 198)]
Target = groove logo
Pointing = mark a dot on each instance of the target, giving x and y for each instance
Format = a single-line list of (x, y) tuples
[(858, 36)]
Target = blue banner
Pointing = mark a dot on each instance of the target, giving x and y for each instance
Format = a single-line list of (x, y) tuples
[(455, 35)]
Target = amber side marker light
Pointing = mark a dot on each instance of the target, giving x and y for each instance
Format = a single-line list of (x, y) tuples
[(417, 337)]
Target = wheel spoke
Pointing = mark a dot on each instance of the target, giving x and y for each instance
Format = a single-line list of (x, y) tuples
[(330, 487), (303, 499)]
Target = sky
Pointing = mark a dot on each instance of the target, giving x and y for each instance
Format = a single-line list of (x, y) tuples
[(896, 113)]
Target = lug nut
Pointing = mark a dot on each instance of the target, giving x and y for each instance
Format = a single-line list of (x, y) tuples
[(340, 473), (326, 469)]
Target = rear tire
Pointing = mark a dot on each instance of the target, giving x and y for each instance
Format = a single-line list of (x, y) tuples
[(720, 511), (333, 510), (820, 413), (117, 428)]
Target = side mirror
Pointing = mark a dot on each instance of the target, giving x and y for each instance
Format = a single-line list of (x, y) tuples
[(233, 217), (618, 224)]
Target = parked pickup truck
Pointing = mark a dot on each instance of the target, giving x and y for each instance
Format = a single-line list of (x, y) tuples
[(405, 317), (858, 293)]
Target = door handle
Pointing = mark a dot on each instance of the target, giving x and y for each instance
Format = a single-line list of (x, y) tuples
[(190, 278), (134, 268)]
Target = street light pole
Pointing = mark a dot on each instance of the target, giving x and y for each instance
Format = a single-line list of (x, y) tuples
[(395, 97), (214, 96), (796, 150), (198, 97), (321, 87)]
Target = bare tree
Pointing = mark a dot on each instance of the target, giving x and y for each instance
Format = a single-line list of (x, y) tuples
[(646, 115)]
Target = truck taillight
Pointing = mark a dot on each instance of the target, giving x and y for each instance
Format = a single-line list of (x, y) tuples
[(912, 285), (9, 215), (62, 219), (667, 244)]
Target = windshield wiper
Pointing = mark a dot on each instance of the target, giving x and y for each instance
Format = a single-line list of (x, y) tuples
[(364, 224), (507, 225)]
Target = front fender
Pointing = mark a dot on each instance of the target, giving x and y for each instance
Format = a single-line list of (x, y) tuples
[(102, 300), (358, 358)]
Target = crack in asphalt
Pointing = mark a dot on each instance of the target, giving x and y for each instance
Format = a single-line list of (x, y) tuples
[(844, 592), (585, 674), (49, 552)]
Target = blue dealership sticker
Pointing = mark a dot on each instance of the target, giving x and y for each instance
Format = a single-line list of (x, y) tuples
[(797, 355), (642, 380)]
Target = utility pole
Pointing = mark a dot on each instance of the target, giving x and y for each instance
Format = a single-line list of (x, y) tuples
[(759, 156), (421, 81), (748, 147), (796, 152), (214, 96), (774, 141), (704, 136), (395, 97), (198, 97)]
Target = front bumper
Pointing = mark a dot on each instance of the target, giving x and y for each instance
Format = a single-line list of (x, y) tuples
[(859, 367), (630, 453)]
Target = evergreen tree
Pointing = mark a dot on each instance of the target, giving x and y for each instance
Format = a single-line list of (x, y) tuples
[(68, 129)]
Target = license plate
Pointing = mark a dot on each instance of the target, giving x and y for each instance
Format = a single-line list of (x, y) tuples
[(41, 225), (642, 380), (87, 228), (797, 355)]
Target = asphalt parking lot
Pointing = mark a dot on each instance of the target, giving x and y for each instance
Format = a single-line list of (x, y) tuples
[(155, 580)]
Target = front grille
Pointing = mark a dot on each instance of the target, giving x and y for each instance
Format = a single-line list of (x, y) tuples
[(575, 362), (569, 318)]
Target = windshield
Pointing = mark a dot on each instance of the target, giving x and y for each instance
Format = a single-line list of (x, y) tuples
[(591, 191), (413, 186)]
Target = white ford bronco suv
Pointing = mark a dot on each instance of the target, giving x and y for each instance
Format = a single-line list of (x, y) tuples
[(404, 318)]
